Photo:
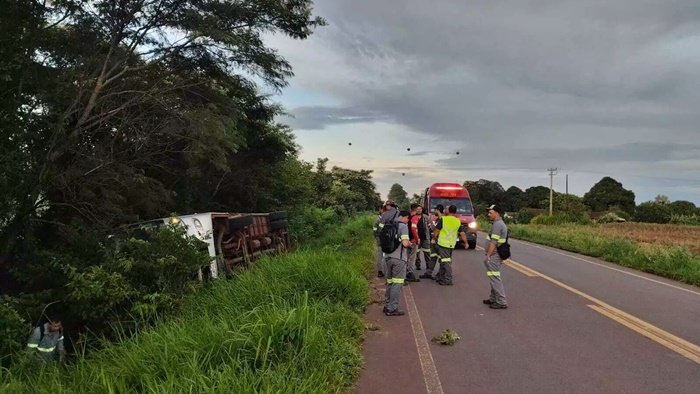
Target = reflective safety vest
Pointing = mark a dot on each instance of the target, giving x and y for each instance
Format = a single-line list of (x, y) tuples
[(495, 237), (449, 232)]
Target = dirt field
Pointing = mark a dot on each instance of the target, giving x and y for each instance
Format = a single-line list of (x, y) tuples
[(655, 235)]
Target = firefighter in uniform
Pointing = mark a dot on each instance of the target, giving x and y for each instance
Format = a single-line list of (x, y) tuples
[(47, 340), (379, 263), (447, 229), (396, 262), (497, 236), (439, 210)]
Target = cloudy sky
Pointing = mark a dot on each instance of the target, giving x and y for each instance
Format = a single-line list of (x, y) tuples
[(591, 87)]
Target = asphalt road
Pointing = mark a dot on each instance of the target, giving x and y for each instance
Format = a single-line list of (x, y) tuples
[(574, 325)]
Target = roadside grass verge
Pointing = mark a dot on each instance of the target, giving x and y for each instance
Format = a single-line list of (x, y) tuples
[(291, 324), (674, 262)]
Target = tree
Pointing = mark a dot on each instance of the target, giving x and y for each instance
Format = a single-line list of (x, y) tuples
[(537, 197), (662, 199), (570, 204), (652, 212), (484, 192), (608, 193), (513, 199), (416, 199), (684, 208), (399, 196), (116, 117)]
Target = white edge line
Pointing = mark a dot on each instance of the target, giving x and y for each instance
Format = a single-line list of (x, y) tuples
[(430, 374)]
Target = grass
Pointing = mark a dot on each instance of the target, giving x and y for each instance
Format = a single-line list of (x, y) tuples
[(290, 325), (664, 250)]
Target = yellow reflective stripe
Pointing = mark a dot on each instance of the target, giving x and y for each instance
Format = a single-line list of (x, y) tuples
[(374, 228), (493, 273), (398, 281), (496, 237), (32, 345), (446, 260), (434, 255), (61, 338), (389, 281), (404, 237), (381, 225), (46, 350)]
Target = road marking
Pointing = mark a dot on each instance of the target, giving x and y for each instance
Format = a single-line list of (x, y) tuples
[(658, 335), (610, 268), (427, 364), (670, 341), (523, 269)]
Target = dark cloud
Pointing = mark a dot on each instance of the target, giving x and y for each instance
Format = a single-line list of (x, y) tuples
[(590, 85)]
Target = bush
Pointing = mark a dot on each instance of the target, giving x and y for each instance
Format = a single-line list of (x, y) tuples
[(523, 216), (652, 212), (310, 222), (291, 324), (561, 218), (690, 220), (13, 331)]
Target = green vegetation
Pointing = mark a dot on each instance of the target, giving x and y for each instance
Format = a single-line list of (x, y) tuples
[(290, 325), (448, 337), (115, 113), (675, 262)]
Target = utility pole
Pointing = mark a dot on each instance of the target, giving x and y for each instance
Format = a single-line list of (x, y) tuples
[(567, 185), (552, 172)]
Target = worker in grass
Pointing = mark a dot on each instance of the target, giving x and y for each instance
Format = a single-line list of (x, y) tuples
[(396, 245), (498, 235), (447, 229), (379, 262), (47, 341)]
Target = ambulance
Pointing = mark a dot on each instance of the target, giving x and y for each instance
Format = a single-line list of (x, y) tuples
[(447, 194)]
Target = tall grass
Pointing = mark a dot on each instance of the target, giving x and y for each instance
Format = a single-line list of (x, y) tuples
[(673, 262), (291, 324)]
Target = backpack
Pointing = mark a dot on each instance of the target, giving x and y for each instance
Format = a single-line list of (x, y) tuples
[(41, 332), (389, 237), (503, 249)]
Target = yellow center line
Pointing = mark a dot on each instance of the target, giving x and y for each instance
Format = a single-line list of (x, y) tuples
[(670, 341), (427, 364), (610, 268)]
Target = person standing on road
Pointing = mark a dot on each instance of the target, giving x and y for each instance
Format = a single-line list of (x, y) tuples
[(424, 236), (391, 213), (413, 220), (379, 263), (439, 211), (496, 236), (447, 229), (396, 262)]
